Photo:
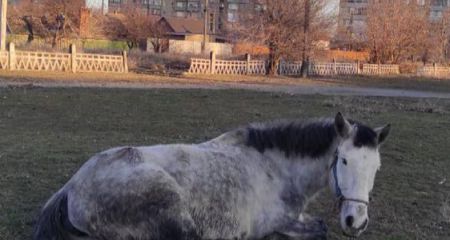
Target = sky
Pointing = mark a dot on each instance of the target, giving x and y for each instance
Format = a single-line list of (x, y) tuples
[(333, 6)]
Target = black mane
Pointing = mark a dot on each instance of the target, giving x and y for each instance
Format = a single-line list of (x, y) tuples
[(305, 139), (312, 139)]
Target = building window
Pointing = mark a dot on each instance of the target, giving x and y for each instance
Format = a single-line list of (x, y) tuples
[(220, 24), (232, 17), (180, 14), (211, 23), (180, 5), (233, 6), (194, 6)]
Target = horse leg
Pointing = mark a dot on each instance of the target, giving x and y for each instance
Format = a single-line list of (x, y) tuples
[(297, 230)]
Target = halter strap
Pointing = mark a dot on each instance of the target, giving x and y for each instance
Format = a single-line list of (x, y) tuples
[(340, 197)]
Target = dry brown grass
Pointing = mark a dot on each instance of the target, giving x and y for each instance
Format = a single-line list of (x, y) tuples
[(160, 75), (158, 63)]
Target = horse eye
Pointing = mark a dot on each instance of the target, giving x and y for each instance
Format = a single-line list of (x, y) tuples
[(344, 161)]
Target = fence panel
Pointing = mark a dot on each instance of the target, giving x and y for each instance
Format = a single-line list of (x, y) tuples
[(4, 60), (99, 63), (227, 67), (230, 67), (327, 69), (42, 61), (434, 71), (347, 68), (257, 67), (211, 65), (321, 69), (200, 66), (380, 69), (289, 68)]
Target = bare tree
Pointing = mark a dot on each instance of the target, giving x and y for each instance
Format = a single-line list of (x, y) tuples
[(139, 25), (440, 37), (51, 19), (22, 15), (289, 28), (397, 30), (61, 18)]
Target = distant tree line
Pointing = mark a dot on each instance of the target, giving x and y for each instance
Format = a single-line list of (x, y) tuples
[(54, 20), (290, 29), (399, 31)]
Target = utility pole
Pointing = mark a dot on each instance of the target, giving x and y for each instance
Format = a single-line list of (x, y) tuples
[(305, 51), (103, 7), (3, 25), (205, 26)]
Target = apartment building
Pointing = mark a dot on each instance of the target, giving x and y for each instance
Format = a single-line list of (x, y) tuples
[(219, 11), (353, 15), (438, 7)]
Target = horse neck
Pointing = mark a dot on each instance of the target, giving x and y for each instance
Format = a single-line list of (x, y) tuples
[(309, 175)]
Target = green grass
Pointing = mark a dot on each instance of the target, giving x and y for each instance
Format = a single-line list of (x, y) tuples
[(47, 134)]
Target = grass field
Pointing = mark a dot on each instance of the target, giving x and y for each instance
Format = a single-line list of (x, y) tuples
[(47, 134)]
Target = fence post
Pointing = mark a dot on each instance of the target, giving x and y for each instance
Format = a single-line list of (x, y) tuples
[(247, 66), (73, 57), (12, 56), (125, 61), (212, 58)]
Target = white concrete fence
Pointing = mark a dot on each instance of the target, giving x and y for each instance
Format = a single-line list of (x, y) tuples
[(233, 67), (258, 67), (63, 62), (434, 71)]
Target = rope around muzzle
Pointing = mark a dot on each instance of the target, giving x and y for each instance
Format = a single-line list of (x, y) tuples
[(340, 198)]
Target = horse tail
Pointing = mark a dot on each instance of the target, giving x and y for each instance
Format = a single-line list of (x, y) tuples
[(53, 222)]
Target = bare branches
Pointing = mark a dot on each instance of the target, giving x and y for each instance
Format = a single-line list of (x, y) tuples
[(289, 28), (396, 30), (140, 26), (51, 19)]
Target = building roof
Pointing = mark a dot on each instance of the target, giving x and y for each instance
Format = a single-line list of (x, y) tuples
[(183, 26)]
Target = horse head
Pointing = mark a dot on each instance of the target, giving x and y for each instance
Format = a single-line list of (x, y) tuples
[(352, 173)]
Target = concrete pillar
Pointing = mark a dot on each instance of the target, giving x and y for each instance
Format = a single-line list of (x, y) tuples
[(73, 58), (247, 66), (125, 62), (12, 57), (213, 62), (4, 7)]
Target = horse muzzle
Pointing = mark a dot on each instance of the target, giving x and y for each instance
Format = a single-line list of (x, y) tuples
[(354, 218)]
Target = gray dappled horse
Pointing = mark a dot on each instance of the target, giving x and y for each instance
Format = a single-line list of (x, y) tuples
[(250, 183)]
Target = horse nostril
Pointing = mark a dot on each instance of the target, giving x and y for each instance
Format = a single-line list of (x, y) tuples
[(349, 221)]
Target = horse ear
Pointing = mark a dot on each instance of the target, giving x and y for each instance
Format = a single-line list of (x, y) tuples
[(342, 126), (383, 133)]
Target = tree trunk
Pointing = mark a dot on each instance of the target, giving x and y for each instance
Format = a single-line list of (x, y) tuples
[(274, 66), (29, 26), (274, 59)]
